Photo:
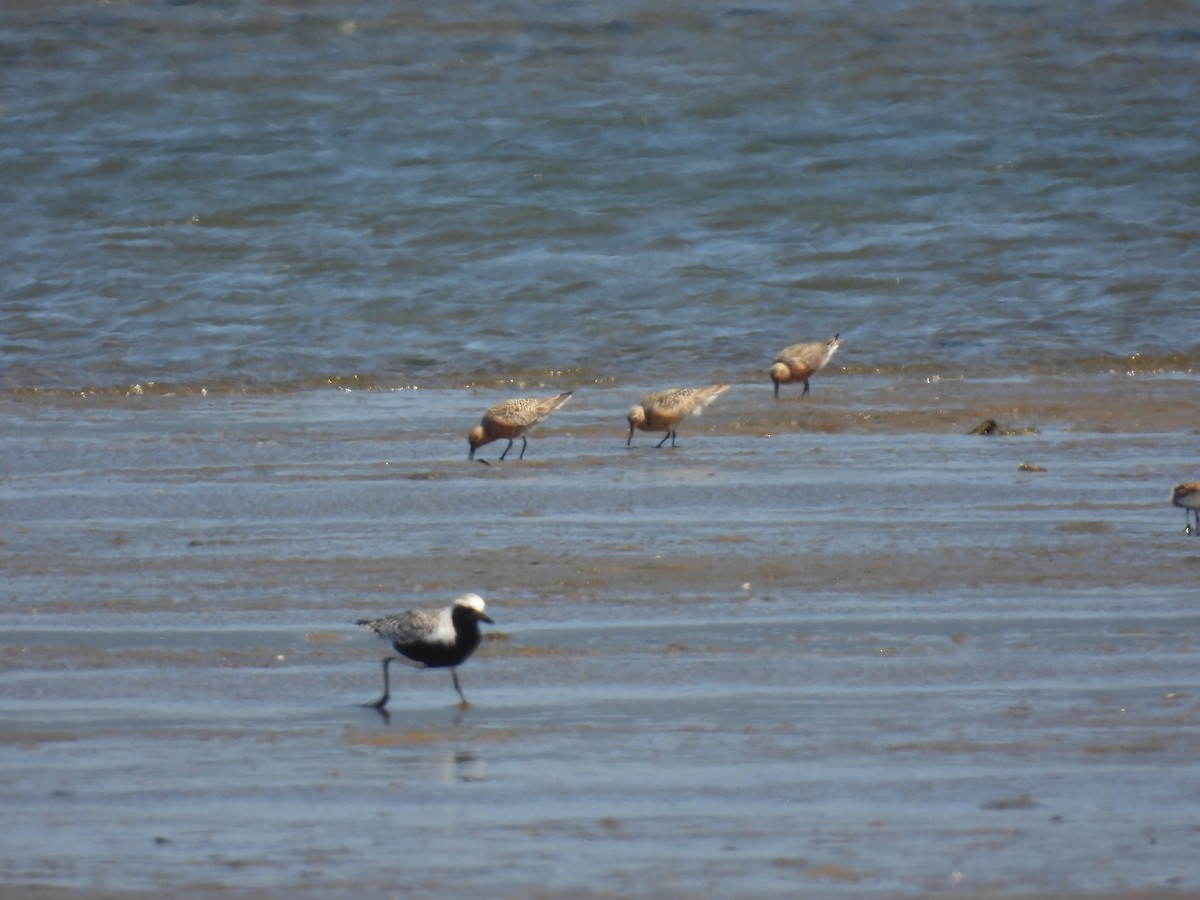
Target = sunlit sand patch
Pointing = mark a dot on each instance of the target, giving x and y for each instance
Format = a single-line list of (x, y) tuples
[(1149, 745), (74, 657), (324, 637), (1021, 801), (820, 871), (528, 652), (732, 539), (1092, 527), (361, 737), (33, 739), (972, 748), (1019, 710)]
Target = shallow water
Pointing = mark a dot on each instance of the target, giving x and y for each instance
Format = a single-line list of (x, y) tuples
[(265, 196), (262, 265), (808, 651)]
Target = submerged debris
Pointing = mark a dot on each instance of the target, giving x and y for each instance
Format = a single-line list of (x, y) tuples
[(992, 427)]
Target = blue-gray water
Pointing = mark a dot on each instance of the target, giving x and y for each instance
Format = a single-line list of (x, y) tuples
[(263, 265), (268, 195)]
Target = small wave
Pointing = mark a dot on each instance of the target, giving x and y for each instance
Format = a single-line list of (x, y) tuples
[(533, 379)]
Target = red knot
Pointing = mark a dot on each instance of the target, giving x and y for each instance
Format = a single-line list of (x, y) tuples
[(431, 638), (664, 410), (511, 419), (801, 362), (1187, 495)]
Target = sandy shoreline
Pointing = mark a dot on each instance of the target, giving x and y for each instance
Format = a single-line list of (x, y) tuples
[(837, 646)]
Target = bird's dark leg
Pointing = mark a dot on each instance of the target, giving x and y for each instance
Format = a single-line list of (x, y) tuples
[(672, 438), (805, 392), (664, 440), (506, 449), (454, 675), (382, 701), (524, 444), (776, 390)]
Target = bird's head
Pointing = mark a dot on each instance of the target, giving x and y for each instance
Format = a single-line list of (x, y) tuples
[(476, 439), (472, 605), (636, 417)]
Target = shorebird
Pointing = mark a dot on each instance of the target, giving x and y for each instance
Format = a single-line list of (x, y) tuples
[(801, 362), (431, 638), (1187, 495), (664, 410), (511, 419)]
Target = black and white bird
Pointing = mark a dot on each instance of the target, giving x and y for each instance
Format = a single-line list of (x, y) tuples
[(432, 638)]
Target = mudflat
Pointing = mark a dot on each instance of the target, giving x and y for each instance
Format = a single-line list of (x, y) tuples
[(835, 645)]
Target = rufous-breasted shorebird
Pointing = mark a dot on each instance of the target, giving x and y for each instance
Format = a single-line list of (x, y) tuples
[(511, 419), (800, 362)]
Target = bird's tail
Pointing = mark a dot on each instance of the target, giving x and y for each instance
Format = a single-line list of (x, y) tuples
[(707, 396)]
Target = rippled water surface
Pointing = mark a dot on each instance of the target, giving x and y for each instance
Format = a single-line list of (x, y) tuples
[(263, 265), (269, 195)]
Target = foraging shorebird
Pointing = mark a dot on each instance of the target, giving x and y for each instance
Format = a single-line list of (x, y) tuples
[(664, 410), (431, 638), (801, 362), (1187, 495), (511, 419)]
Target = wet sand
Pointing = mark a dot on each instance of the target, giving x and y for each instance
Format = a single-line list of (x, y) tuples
[(836, 647)]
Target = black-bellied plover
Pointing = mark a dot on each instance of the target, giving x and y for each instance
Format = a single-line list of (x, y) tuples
[(664, 410), (431, 638), (1187, 495), (511, 419), (801, 362)]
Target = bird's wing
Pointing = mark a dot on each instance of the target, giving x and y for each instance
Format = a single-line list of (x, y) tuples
[(406, 627)]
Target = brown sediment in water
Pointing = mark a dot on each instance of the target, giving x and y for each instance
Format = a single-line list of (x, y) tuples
[(1105, 404), (518, 575), (370, 737)]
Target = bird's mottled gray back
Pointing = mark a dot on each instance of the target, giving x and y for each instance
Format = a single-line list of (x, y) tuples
[(681, 401), (812, 355), (410, 626), (525, 412), (672, 400)]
